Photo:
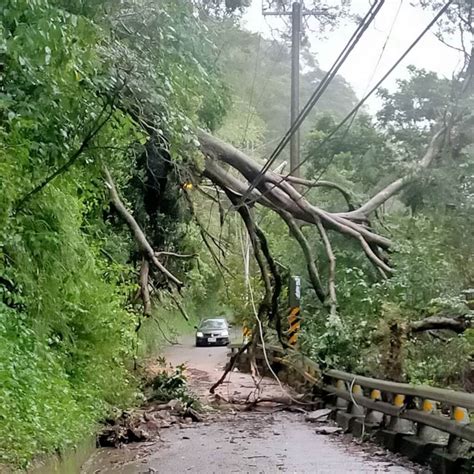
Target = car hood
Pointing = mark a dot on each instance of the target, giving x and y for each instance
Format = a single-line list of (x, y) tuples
[(213, 330)]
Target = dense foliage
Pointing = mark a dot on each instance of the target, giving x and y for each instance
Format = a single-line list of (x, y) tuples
[(432, 222), (67, 271)]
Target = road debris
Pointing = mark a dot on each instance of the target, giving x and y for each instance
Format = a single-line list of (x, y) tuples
[(328, 430), (318, 415)]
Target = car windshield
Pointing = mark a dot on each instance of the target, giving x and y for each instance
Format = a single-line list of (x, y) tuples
[(213, 324)]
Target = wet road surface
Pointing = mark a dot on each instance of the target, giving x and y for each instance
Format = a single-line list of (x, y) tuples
[(231, 441)]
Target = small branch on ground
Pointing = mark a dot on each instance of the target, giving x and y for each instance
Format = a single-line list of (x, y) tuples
[(230, 366)]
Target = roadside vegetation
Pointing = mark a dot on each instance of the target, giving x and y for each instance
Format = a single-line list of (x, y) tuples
[(118, 227)]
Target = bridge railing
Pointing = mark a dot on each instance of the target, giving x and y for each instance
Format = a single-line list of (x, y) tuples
[(444, 410), (429, 411)]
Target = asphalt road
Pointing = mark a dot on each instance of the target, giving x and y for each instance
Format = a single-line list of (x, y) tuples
[(232, 441)]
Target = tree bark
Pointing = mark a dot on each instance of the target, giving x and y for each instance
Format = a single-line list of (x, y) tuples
[(145, 293), (458, 324), (145, 248), (308, 254)]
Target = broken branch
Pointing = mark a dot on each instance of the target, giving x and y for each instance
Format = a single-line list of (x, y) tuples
[(142, 242)]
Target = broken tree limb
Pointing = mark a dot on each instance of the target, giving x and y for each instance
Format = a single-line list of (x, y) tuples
[(230, 366), (205, 238), (279, 193), (247, 218), (458, 324), (396, 186), (145, 248), (180, 307), (308, 254), (176, 255), (320, 183), (277, 283), (144, 291), (332, 269)]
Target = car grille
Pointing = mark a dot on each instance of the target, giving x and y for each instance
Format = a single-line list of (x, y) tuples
[(212, 334)]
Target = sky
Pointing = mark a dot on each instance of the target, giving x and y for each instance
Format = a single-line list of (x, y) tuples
[(361, 71)]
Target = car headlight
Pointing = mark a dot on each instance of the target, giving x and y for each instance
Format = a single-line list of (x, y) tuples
[(199, 334), (225, 333)]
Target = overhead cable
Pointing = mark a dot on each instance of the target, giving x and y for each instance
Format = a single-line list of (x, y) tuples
[(364, 99), (322, 86)]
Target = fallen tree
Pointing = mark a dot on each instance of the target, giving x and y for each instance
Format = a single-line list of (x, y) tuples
[(457, 323), (233, 171)]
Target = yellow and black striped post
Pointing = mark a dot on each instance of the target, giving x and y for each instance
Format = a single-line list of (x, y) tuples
[(294, 323), (294, 315), (247, 332)]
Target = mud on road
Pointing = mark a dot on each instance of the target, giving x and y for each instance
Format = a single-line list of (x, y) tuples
[(229, 440)]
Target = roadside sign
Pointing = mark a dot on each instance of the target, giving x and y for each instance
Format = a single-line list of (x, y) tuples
[(294, 323), (294, 315)]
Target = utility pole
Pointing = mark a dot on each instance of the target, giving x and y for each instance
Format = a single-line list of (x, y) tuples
[(295, 86), (296, 15)]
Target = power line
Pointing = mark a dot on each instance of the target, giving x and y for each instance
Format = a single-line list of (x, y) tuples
[(252, 90), (371, 78), (377, 64), (364, 99), (320, 89), (313, 99)]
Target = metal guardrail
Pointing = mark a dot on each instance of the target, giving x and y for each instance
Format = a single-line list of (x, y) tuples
[(420, 404), (449, 397), (441, 409)]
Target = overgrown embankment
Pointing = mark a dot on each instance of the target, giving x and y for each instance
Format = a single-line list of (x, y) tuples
[(68, 265)]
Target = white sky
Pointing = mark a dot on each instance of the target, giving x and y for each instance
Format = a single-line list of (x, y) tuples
[(429, 53)]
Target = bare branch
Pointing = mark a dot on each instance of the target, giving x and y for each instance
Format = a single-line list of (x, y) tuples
[(396, 186), (179, 306), (308, 254), (205, 235), (280, 193), (251, 230), (145, 293), (323, 184), (233, 360), (332, 269), (142, 242), (176, 255), (73, 158)]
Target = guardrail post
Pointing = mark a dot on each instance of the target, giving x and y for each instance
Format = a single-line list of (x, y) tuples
[(457, 445), (346, 419), (373, 419), (419, 447), (397, 427), (355, 408), (341, 403), (456, 458), (428, 433)]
